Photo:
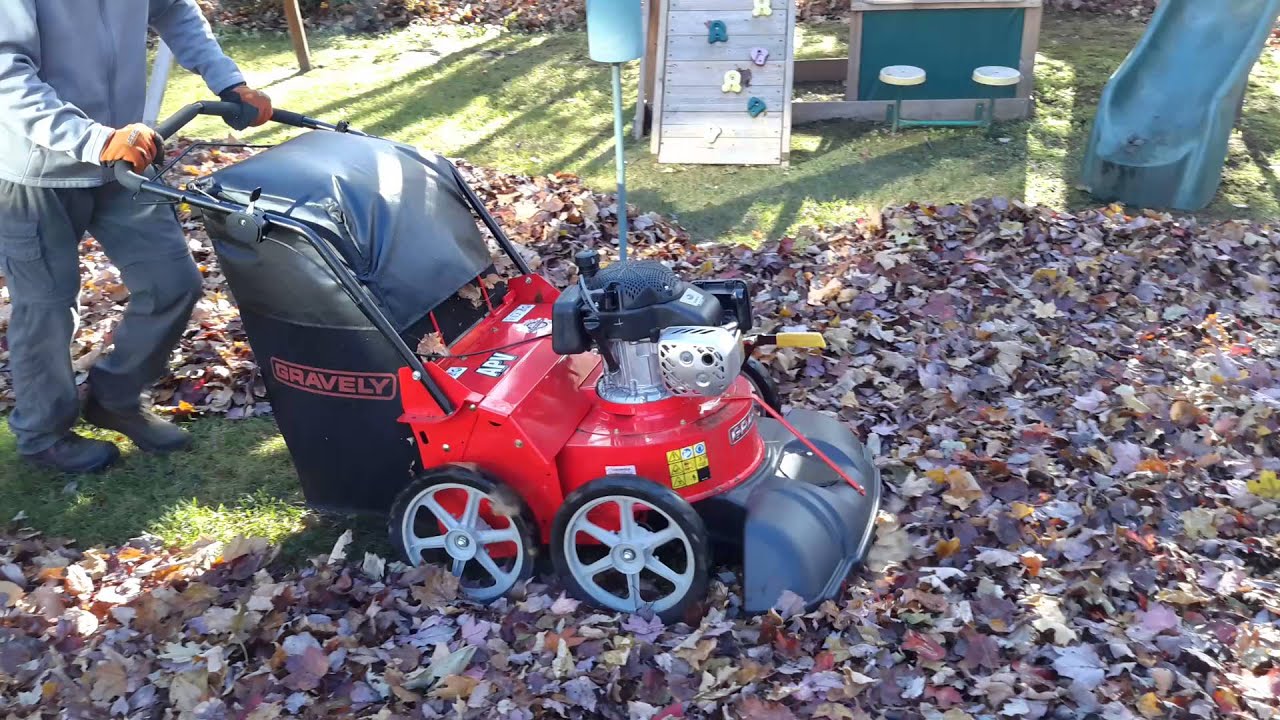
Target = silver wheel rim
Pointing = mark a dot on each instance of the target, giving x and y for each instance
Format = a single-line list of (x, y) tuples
[(465, 541), (631, 553)]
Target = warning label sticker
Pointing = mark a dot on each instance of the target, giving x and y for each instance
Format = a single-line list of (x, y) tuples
[(688, 465)]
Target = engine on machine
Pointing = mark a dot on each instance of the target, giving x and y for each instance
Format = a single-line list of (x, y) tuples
[(658, 335)]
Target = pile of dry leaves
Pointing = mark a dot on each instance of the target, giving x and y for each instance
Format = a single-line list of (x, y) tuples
[(1080, 421)]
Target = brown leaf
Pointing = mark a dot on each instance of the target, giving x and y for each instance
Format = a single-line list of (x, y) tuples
[(110, 681), (753, 708), (188, 689), (833, 711), (438, 589), (455, 687), (924, 646), (306, 669), (10, 594), (963, 488), (980, 651)]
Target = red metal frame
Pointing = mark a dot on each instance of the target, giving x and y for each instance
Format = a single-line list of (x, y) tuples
[(531, 418)]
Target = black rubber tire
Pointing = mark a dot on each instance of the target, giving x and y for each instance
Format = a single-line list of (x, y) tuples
[(523, 518), (758, 375), (654, 495)]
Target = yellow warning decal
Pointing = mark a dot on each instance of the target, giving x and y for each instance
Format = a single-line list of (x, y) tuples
[(688, 465)]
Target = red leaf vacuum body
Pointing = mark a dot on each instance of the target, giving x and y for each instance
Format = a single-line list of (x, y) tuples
[(621, 423)]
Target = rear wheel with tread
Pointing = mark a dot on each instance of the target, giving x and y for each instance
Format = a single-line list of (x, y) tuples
[(762, 383), (657, 557), (477, 528)]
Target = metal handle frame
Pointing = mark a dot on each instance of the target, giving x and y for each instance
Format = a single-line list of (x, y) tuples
[(271, 220)]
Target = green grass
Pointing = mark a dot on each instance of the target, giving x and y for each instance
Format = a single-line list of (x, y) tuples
[(536, 104)]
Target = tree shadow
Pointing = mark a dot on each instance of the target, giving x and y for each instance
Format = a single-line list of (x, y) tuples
[(833, 171)]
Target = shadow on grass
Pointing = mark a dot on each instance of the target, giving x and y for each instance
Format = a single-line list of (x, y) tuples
[(829, 173)]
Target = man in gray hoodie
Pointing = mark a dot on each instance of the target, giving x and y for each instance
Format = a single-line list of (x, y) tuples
[(72, 89)]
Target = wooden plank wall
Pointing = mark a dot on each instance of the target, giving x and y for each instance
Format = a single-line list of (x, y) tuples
[(691, 73)]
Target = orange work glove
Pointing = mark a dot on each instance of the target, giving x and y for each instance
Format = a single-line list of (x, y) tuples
[(257, 100), (136, 144)]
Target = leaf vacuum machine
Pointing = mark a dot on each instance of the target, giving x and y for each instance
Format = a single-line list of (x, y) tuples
[(619, 426)]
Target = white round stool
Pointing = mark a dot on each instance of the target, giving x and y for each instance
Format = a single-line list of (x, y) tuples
[(898, 77), (995, 76), (902, 75)]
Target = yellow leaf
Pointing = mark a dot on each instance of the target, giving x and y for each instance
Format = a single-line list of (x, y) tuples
[(1154, 465), (1149, 705), (1266, 485), (128, 554), (1021, 510), (937, 475), (947, 548)]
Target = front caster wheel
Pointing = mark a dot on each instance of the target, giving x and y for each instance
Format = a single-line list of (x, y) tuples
[(477, 528), (624, 543)]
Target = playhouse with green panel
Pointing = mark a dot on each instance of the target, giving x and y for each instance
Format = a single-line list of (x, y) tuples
[(944, 43)]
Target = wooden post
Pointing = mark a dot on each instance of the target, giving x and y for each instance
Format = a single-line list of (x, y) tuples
[(648, 66), (159, 81), (298, 33)]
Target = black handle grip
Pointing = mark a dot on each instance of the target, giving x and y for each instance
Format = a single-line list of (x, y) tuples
[(125, 175), (180, 119), (292, 119)]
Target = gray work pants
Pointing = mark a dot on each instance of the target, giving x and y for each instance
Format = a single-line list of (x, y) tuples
[(40, 233)]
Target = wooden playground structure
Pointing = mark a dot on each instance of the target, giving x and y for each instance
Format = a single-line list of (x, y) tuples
[(957, 63)]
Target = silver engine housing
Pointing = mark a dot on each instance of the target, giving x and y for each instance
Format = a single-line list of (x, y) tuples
[(700, 360), (686, 361)]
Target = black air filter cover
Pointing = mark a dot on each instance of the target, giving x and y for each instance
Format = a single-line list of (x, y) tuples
[(640, 283)]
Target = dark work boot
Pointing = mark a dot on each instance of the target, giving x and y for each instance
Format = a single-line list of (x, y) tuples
[(76, 454), (148, 431)]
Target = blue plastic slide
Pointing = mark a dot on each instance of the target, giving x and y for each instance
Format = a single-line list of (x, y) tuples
[(1161, 133)]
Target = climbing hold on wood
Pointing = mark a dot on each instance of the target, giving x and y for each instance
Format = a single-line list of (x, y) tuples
[(759, 56), (762, 8), (756, 106), (717, 32), (732, 82), (712, 134)]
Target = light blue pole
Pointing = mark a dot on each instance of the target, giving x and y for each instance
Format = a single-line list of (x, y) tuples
[(621, 161)]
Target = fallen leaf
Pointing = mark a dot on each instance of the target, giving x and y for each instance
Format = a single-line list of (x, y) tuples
[(339, 551), (946, 548), (10, 593), (925, 647), (1081, 664), (1150, 706), (455, 687), (963, 488)]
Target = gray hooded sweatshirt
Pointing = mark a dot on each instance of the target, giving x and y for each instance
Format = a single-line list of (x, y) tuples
[(71, 71)]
